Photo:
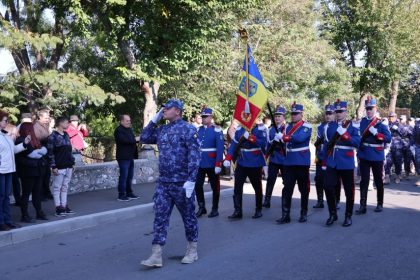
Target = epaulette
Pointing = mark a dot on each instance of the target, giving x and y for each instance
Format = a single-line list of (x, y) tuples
[(308, 125), (217, 128), (355, 124), (238, 128)]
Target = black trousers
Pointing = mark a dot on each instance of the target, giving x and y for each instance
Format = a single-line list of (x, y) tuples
[(365, 167), (17, 189), (254, 174), (334, 177), (31, 185), (45, 182), (320, 182), (293, 174), (273, 171), (214, 183)]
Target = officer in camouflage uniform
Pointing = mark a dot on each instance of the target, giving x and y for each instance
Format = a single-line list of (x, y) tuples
[(407, 131), (415, 148), (394, 156), (179, 159)]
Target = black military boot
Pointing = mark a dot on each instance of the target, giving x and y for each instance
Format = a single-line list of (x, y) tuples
[(257, 214), (267, 201), (285, 217), (347, 221), (201, 209), (361, 210), (333, 217), (319, 204), (378, 208), (303, 216), (214, 213), (237, 202)]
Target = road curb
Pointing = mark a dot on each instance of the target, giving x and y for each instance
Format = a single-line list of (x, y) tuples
[(76, 223)]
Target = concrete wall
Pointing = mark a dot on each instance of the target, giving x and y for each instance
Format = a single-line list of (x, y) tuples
[(98, 176)]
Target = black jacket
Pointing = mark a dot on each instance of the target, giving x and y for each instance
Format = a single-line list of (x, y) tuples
[(126, 143), (26, 166), (60, 151)]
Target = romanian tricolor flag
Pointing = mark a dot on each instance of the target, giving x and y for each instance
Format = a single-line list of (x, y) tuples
[(250, 103)]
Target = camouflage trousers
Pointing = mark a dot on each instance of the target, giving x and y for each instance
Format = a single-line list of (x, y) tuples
[(166, 196), (394, 157)]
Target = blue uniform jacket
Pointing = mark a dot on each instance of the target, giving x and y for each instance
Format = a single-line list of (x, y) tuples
[(211, 145), (250, 154), (321, 134), (297, 150), (372, 147), (179, 150), (342, 157), (277, 156)]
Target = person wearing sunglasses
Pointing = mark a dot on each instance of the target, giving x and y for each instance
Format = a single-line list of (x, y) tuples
[(375, 135), (212, 147), (296, 164), (343, 139)]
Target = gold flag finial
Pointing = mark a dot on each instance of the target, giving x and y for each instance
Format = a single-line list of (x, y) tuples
[(243, 33)]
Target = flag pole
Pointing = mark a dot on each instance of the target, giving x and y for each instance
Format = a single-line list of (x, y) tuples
[(244, 36)]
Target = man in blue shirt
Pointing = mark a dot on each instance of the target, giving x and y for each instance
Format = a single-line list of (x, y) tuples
[(374, 136), (296, 164), (276, 158), (212, 147), (343, 140), (179, 159)]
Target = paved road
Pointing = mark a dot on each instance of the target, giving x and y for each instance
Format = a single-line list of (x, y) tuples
[(377, 246)]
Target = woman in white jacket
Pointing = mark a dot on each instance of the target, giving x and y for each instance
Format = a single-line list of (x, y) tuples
[(7, 168)]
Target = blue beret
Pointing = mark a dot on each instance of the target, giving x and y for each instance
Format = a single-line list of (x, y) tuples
[(340, 105), (370, 102), (329, 108), (174, 103), (206, 111)]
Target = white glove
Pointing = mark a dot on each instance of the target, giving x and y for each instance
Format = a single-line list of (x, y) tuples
[(394, 127), (189, 188), (246, 134), (341, 130), (413, 150), (226, 163), (156, 118), (373, 130), (278, 137), (217, 170)]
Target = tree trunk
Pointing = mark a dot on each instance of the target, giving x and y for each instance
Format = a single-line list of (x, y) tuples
[(361, 107), (394, 94), (150, 106)]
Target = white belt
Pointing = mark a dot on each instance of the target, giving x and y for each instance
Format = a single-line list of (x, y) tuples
[(374, 145), (251, 150), (344, 147), (209, 150), (298, 149)]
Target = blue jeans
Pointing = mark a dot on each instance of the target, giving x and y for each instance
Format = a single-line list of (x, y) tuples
[(126, 177), (5, 189)]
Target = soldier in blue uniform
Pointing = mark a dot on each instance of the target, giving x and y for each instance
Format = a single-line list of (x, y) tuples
[(374, 136), (250, 161), (179, 159), (276, 158), (212, 147), (321, 139), (343, 139), (406, 133), (296, 164), (415, 149), (394, 156)]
